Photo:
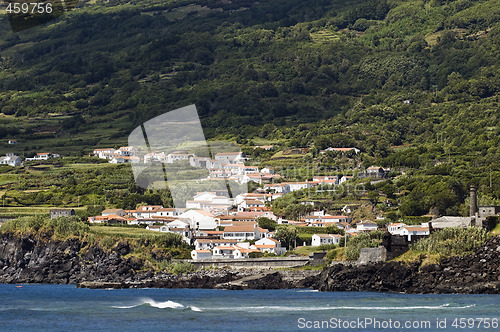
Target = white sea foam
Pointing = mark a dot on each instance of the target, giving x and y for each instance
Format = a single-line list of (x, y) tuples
[(160, 305), (445, 306), (195, 309)]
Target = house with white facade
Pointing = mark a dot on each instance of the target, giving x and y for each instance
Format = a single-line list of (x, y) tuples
[(269, 245), (118, 212), (395, 228), (244, 231), (230, 157), (147, 211), (11, 160), (319, 239), (103, 153), (200, 219), (366, 226), (43, 156), (178, 157), (201, 254), (410, 231)]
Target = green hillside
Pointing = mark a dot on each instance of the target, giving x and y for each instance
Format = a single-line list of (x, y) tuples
[(413, 84)]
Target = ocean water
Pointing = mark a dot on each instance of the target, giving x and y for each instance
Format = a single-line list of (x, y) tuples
[(67, 308)]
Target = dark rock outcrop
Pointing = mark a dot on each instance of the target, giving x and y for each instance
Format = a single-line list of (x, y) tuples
[(35, 259), (477, 273)]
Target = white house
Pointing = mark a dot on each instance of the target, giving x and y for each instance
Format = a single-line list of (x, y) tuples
[(244, 231), (283, 188), (224, 252), (340, 150), (43, 156), (269, 245), (147, 211), (177, 157), (208, 244), (243, 252), (201, 254), (230, 157), (294, 186), (12, 141), (11, 160), (319, 239), (250, 204), (345, 178), (365, 226), (118, 212), (126, 151), (104, 153), (410, 231), (395, 228), (200, 219)]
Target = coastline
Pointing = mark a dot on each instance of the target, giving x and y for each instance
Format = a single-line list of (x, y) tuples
[(26, 259)]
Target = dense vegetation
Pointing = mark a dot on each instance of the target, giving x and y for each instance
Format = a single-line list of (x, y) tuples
[(414, 84), (452, 241), (156, 249)]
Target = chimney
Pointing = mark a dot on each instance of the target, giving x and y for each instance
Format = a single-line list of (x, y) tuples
[(473, 201)]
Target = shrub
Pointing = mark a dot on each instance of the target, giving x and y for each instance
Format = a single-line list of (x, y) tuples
[(354, 245), (255, 255), (452, 241), (180, 268)]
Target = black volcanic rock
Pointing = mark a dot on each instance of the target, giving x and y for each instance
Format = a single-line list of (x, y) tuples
[(477, 273)]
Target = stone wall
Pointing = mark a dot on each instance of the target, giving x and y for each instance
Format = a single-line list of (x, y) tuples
[(372, 255), (255, 263)]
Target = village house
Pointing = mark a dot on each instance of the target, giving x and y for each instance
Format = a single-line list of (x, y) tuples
[(118, 159), (373, 172), (125, 151), (366, 226), (244, 231), (209, 244), (11, 160), (43, 156), (264, 147), (118, 212), (345, 178), (201, 254), (223, 252), (147, 211), (12, 141), (250, 205), (243, 252), (103, 153), (395, 228), (269, 245), (343, 150), (283, 188), (56, 213), (411, 231), (230, 157), (200, 219), (320, 239), (178, 157)]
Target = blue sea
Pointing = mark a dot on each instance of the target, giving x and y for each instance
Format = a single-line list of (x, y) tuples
[(67, 308)]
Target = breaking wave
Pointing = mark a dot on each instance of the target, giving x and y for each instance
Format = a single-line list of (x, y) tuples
[(160, 305), (445, 306)]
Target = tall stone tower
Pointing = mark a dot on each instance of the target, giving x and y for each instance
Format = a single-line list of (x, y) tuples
[(473, 201)]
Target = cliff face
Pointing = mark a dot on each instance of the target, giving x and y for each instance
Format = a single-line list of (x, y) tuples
[(30, 259), (478, 273)]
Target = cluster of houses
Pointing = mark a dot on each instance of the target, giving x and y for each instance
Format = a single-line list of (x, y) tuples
[(14, 160)]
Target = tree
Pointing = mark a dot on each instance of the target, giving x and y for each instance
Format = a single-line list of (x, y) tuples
[(267, 224), (286, 234)]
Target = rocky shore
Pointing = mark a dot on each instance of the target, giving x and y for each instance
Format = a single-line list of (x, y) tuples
[(26, 259), (472, 274), (30, 259)]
